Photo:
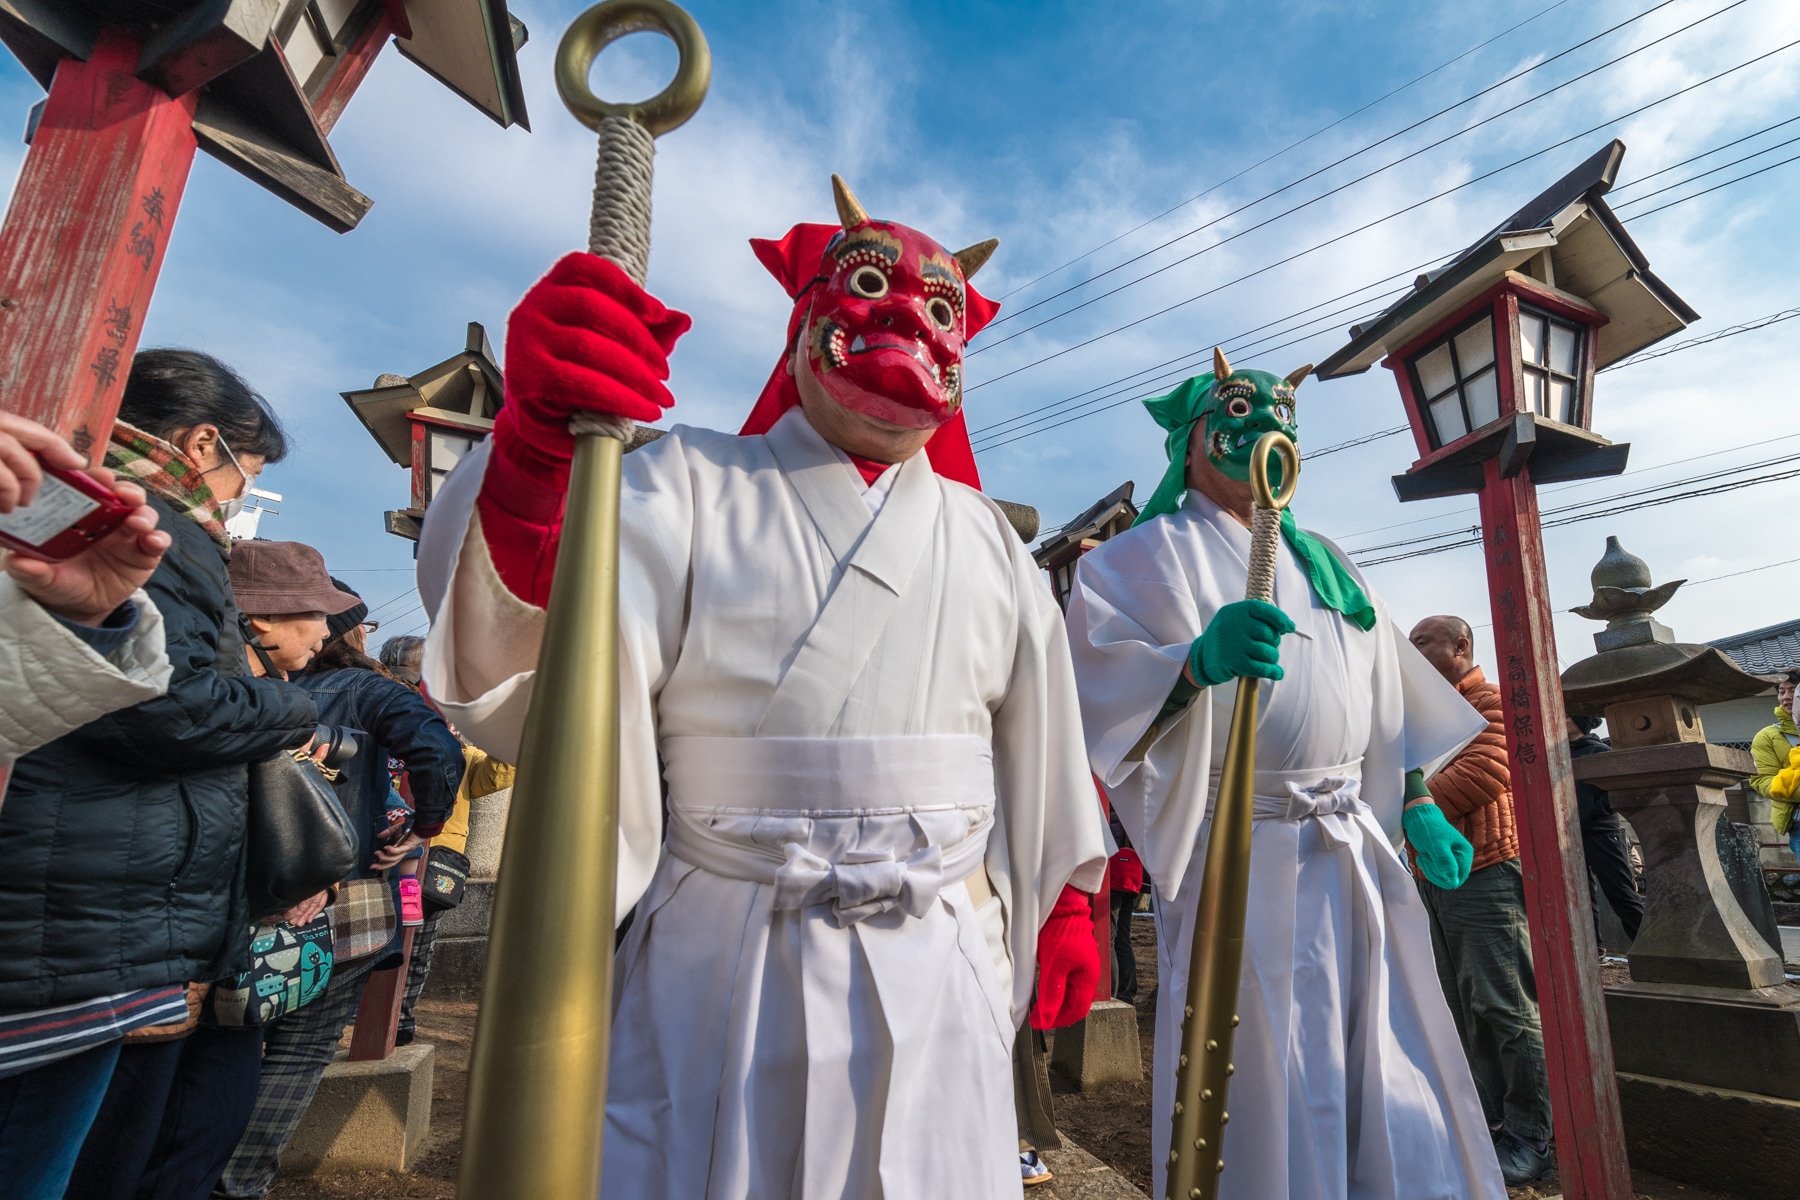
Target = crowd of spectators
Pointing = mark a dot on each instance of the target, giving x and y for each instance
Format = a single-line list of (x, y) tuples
[(156, 1042)]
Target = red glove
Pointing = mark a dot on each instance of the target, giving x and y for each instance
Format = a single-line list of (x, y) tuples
[(585, 338), (1068, 962)]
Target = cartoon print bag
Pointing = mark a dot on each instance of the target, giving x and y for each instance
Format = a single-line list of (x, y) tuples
[(446, 875), (289, 967)]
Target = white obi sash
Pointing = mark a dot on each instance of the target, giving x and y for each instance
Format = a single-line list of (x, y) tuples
[(862, 825), (1330, 795)]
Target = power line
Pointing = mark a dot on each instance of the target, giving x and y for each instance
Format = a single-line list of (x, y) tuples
[(993, 344), (1746, 328), (1400, 212), (1034, 421), (1691, 343), (1703, 174), (1290, 146), (1133, 396), (1685, 460), (1624, 502), (1371, 146), (1643, 179), (1705, 191)]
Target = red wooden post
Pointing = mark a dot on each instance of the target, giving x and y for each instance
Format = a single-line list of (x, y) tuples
[(1584, 1100), (378, 1013), (84, 239)]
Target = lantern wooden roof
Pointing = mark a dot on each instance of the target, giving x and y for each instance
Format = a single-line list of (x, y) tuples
[(465, 389), (274, 75), (1571, 241)]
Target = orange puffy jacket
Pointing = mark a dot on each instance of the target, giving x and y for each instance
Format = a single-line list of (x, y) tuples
[(1475, 788)]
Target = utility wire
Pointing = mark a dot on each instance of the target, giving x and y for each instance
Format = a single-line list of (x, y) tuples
[(1715, 187), (1367, 175), (1055, 407), (1381, 142), (1182, 367), (1290, 146), (995, 445), (1029, 416), (1643, 179), (1690, 343), (1703, 174), (1400, 212), (1586, 511)]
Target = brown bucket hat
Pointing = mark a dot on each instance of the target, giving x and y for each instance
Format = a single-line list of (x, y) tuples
[(273, 578)]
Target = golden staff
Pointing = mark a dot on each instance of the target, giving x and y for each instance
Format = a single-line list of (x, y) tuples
[(1203, 1077), (537, 1072)]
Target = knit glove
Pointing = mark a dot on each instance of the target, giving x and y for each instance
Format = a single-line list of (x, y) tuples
[(1445, 855), (1068, 962), (1787, 780), (1242, 641), (585, 339)]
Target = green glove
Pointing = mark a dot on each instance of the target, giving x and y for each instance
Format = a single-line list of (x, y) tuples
[(1445, 855), (1242, 641)]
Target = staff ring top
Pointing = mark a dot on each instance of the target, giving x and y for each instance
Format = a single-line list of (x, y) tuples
[(604, 24), (1276, 444)]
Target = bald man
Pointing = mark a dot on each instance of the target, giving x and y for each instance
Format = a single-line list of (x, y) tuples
[(1478, 931)]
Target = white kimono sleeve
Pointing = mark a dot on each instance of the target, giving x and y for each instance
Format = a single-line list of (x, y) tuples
[(1132, 618), (1049, 828), (481, 655)]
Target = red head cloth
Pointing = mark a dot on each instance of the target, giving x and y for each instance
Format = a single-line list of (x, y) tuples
[(801, 262)]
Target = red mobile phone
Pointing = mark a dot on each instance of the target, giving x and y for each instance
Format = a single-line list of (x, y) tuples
[(69, 513)]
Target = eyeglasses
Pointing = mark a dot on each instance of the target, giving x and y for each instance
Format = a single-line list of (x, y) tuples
[(371, 626)]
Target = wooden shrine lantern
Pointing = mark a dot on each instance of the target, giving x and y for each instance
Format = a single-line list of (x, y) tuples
[(427, 422), (1495, 356)]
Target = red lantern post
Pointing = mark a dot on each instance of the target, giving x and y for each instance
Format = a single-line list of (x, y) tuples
[(1495, 357)]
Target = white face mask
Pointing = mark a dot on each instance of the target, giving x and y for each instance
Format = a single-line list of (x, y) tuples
[(231, 508)]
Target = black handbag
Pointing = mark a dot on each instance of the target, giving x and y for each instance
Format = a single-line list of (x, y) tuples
[(445, 877), (301, 841)]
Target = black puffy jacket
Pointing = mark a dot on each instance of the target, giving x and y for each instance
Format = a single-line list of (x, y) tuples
[(395, 722), (122, 844)]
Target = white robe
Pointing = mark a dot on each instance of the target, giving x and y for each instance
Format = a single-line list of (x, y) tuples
[(808, 1004), (1351, 1083)]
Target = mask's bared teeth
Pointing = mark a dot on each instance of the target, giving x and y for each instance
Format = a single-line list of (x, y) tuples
[(857, 347)]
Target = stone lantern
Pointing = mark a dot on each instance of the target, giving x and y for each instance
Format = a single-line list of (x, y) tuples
[(1706, 1035)]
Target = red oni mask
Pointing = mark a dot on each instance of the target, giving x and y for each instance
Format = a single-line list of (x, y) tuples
[(882, 312)]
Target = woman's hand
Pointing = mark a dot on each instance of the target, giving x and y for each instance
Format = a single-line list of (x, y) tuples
[(387, 856), (87, 588), (303, 912)]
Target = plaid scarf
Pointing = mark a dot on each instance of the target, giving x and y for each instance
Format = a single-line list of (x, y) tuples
[(167, 474)]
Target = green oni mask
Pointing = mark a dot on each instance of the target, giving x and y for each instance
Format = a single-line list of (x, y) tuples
[(1239, 409), (1233, 409)]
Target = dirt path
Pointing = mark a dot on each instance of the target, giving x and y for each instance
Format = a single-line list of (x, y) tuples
[(1112, 1122)]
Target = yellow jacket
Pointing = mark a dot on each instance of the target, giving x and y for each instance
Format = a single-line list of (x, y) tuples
[(1771, 750), (482, 775)]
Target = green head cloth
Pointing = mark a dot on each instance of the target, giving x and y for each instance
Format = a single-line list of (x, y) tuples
[(1178, 412)]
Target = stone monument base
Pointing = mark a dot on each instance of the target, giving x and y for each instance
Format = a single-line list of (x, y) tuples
[(1709, 1083), (1100, 1048), (367, 1116), (1738, 1142)]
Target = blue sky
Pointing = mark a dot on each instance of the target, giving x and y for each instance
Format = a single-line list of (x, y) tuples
[(1058, 127)]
